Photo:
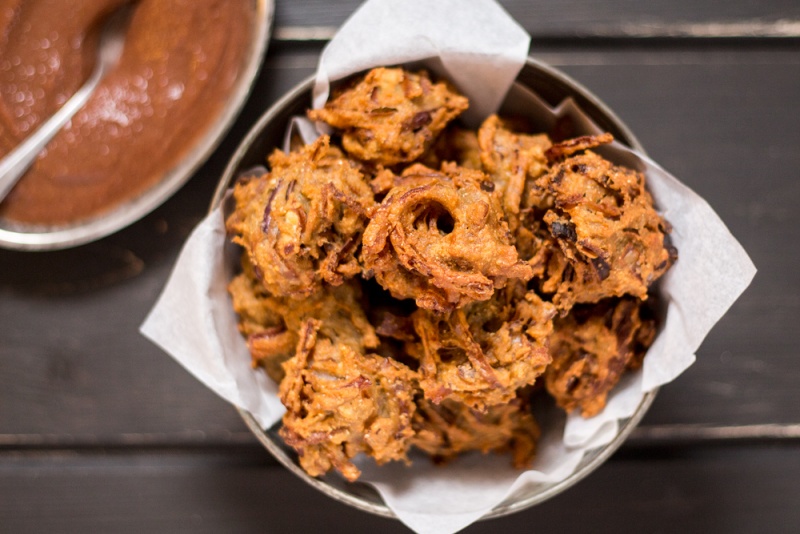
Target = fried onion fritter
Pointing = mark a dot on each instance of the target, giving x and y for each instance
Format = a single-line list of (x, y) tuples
[(341, 402), (455, 145), (577, 144), (271, 324), (512, 160), (269, 340), (591, 348), (415, 286), (440, 238), (482, 354), (301, 223), (611, 240), (391, 116), (450, 428)]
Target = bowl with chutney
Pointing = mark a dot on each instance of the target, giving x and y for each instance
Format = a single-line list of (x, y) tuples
[(186, 70)]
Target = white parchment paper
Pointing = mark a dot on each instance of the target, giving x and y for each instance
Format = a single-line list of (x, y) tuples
[(475, 44)]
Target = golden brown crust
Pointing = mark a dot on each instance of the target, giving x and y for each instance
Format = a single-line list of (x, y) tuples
[(454, 145), (450, 428), (568, 147), (439, 238), (482, 354), (269, 341), (512, 160), (391, 116), (271, 324), (592, 347), (480, 239), (611, 241), (301, 223), (341, 402)]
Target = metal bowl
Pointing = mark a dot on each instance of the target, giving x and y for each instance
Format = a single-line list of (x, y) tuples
[(36, 237), (552, 86)]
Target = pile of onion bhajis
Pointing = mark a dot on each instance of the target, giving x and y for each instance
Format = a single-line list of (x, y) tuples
[(411, 283)]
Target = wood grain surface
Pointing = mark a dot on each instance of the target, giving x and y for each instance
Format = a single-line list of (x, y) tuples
[(588, 18), (691, 490), (101, 431)]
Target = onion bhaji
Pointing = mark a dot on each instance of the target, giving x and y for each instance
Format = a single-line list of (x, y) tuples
[(341, 402), (512, 160), (301, 224), (610, 239), (418, 290), (391, 116), (482, 354), (269, 340), (449, 428), (271, 324), (576, 144), (455, 145), (440, 238), (591, 348)]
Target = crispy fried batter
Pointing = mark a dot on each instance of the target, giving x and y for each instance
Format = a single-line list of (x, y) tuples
[(391, 116), (446, 430), (269, 340), (465, 269), (482, 354), (252, 303), (592, 347), (576, 144), (512, 160), (455, 145), (271, 324), (341, 402), (439, 238), (611, 241), (301, 223)]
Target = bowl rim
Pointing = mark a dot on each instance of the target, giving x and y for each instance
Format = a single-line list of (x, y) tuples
[(29, 237), (509, 506)]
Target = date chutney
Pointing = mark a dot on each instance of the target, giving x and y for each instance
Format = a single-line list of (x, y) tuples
[(179, 65)]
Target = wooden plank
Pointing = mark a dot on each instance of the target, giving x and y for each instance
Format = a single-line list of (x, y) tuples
[(318, 19), (732, 490), (646, 436), (73, 366)]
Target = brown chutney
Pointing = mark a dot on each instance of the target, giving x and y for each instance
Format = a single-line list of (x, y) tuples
[(179, 65)]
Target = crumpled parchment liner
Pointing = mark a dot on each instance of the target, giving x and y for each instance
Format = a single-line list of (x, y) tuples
[(194, 322), (473, 43)]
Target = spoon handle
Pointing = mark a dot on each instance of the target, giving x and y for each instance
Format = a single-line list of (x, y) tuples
[(16, 162)]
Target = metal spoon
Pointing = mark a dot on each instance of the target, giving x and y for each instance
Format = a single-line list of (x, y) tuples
[(16, 162)]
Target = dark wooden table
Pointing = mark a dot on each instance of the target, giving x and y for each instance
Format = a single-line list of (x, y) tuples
[(102, 432)]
